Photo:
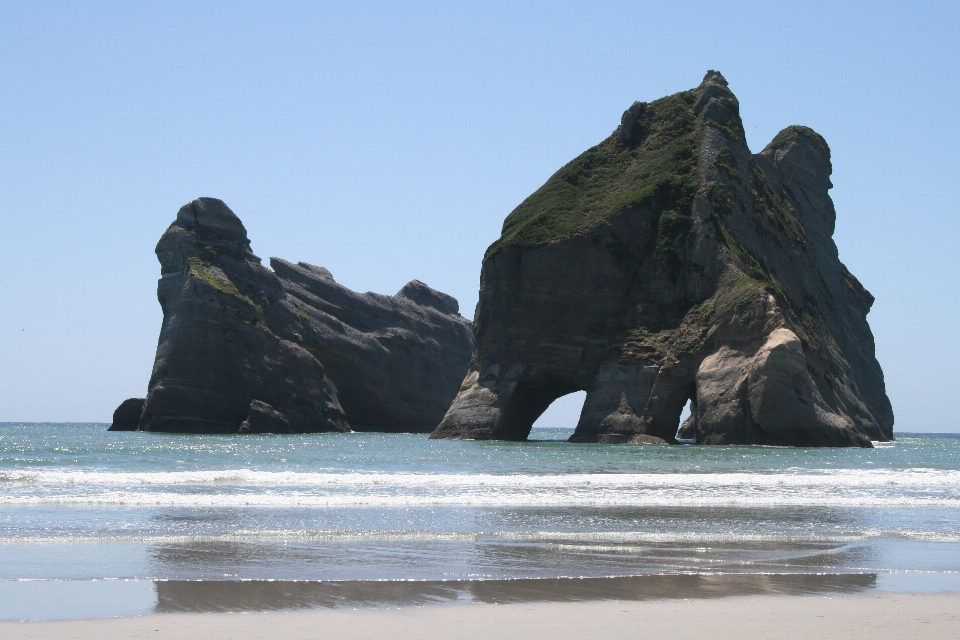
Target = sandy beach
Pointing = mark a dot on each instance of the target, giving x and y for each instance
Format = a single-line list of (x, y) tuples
[(877, 616)]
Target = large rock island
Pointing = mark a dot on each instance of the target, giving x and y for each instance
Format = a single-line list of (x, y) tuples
[(668, 264), (249, 350)]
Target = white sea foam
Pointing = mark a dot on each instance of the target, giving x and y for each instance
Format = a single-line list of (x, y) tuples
[(586, 540), (746, 497), (276, 489), (249, 488), (840, 478)]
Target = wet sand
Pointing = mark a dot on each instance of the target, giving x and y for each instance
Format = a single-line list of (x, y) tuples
[(177, 596), (874, 615), (46, 600)]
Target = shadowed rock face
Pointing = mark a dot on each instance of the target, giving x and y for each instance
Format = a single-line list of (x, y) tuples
[(397, 361), (127, 415), (669, 264), (249, 350)]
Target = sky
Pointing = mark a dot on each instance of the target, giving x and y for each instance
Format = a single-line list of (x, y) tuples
[(387, 141)]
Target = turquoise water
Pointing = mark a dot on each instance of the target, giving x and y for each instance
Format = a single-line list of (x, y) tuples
[(78, 504)]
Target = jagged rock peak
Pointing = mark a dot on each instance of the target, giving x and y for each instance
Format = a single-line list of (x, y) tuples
[(713, 77), (212, 216), (319, 272), (422, 294)]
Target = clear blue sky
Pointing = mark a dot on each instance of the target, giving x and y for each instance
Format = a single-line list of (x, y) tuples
[(387, 141)]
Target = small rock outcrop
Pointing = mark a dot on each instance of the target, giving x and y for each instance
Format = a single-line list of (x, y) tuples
[(244, 349), (669, 264), (127, 415)]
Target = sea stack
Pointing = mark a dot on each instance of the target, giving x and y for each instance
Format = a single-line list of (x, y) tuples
[(668, 264), (127, 416), (244, 349)]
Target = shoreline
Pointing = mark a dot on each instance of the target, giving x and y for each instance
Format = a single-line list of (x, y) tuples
[(878, 615), (77, 600)]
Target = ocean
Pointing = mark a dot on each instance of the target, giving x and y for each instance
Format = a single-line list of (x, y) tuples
[(94, 523)]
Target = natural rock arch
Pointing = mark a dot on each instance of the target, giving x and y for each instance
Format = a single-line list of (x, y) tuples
[(530, 399), (669, 263)]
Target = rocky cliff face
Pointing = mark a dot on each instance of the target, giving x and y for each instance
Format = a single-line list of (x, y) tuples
[(669, 264), (397, 361), (246, 349)]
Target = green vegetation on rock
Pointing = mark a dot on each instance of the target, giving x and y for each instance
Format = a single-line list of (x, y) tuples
[(224, 284), (752, 265), (656, 168), (721, 197), (779, 210), (218, 280), (176, 228), (643, 345), (725, 161)]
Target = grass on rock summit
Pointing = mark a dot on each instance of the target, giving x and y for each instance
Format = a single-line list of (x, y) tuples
[(656, 167)]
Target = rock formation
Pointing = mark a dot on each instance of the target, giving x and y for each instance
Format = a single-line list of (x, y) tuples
[(397, 361), (249, 350), (669, 264), (127, 415)]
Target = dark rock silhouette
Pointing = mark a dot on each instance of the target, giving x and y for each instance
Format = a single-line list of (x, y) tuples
[(397, 361), (669, 264), (127, 415), (244, 349)]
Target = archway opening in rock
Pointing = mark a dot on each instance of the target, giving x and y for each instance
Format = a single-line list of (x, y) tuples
[(686, 427), (529, 400), (563, 413)]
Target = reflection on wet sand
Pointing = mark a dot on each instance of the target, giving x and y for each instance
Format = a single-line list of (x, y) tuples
[(261, 595), (494, 559)]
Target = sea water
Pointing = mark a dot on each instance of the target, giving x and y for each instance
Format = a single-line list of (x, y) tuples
[(95, 514)]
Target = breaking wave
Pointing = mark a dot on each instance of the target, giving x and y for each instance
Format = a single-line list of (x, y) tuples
[(245, 487)]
